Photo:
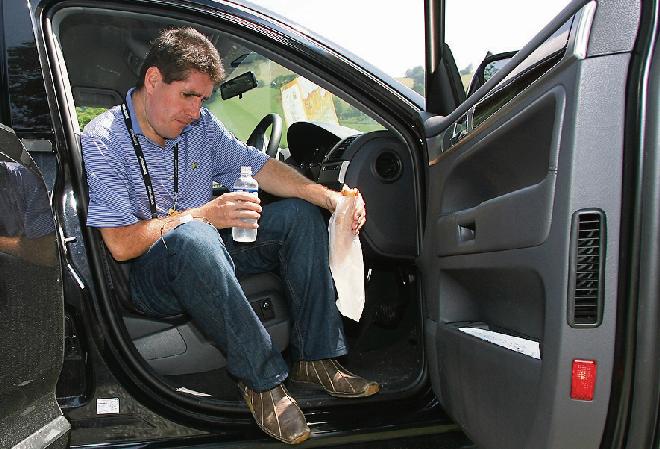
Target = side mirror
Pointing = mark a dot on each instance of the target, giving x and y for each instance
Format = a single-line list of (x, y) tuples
[(238, 86), (489, 67)]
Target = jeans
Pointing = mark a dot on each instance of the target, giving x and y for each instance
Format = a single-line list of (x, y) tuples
[(193, 269)]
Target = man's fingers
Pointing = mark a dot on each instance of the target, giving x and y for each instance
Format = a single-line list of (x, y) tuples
[(360, 217), (245, 219), (245, 205), (240, 196), (243, 214), (240, 201), (229, 209)]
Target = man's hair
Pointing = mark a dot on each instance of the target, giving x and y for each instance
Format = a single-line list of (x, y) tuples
[(178, 51)]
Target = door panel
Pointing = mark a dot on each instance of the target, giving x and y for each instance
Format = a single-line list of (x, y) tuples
[(31, 305), (484, 192), (502, 260)]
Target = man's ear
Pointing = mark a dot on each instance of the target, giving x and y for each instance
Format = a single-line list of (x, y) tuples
[(152, 78)]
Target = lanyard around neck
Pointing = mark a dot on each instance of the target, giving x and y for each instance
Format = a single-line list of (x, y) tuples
[(146, 178)]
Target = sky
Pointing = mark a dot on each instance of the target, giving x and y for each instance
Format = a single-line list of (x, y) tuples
[(391, 37)]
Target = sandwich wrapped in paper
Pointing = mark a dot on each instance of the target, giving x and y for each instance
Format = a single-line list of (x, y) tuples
[(346, 262)]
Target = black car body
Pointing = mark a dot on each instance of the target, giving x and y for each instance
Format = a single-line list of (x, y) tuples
[(527, 213)]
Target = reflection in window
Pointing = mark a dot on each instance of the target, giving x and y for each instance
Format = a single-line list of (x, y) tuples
[(26, 222)]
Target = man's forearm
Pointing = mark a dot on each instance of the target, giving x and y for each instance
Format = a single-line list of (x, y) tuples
[(281, 180), (226, 211), (128, 242)]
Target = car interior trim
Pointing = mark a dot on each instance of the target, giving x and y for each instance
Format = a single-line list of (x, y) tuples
[(436, 124), (584, 30), (550, 56)]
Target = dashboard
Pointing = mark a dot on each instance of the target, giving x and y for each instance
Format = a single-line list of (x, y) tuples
[(379, 164)]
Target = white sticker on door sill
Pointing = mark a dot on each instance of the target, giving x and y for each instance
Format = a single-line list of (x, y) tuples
[(193, 392), (104, 406), (521, 345)]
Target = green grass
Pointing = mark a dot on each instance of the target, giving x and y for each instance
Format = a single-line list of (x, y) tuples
[(87, 114), (241, 115), (361, 126)]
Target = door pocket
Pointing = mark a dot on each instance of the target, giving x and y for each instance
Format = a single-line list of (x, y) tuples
[(468, 384)]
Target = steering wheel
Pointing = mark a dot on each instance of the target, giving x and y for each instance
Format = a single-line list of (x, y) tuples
[(257, 140)]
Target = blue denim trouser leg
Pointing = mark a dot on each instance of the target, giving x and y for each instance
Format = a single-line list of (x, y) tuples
[(193, 270)]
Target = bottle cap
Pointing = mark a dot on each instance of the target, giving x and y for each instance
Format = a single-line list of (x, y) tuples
[(246, 171)]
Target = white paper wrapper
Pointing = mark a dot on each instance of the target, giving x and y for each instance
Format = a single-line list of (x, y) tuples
[(346, 262)]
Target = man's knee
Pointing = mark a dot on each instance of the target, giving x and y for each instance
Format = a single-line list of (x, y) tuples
[(199, 243), (303, 213)]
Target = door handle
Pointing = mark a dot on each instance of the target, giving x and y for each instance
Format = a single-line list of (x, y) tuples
[(467, 232)]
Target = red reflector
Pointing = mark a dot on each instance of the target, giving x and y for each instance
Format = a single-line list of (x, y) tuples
[(583, 379)]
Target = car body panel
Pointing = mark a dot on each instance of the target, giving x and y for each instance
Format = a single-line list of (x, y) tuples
[(31, 305)]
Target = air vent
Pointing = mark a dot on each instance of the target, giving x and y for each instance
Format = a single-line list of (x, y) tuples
[(588, 255), (338, 152), (388, 166)]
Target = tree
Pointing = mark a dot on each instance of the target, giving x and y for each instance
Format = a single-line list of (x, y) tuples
[(469, 70), (417, 75)]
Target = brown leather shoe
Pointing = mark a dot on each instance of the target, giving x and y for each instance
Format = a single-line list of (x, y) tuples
[(277, 413), (333, 378)]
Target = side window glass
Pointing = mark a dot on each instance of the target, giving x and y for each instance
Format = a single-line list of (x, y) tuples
[(492, 28)]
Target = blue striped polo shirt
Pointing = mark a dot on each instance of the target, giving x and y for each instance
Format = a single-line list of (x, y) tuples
[(117, 195)]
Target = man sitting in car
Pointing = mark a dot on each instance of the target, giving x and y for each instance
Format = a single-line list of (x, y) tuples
[(150, 166)]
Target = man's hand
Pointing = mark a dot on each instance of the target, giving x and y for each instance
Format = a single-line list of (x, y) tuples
[(230, 209), (360, 215)]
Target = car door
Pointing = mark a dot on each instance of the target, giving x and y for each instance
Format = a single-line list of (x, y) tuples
[(31, 305), (520, 256)]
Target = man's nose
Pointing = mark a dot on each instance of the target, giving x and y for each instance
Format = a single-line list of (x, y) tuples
[(194, 109)]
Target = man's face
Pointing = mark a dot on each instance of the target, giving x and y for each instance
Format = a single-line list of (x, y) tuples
[(171, 107)]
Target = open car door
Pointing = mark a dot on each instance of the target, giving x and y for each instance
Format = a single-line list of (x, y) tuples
[(521, 256), (31, 305)]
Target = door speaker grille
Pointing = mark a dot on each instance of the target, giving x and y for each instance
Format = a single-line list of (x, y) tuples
[(586, 283)]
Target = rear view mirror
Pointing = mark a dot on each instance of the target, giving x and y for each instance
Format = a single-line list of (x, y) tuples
[(238, 86)]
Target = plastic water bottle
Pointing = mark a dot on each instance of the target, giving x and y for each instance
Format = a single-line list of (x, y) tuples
[(246, 183)]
